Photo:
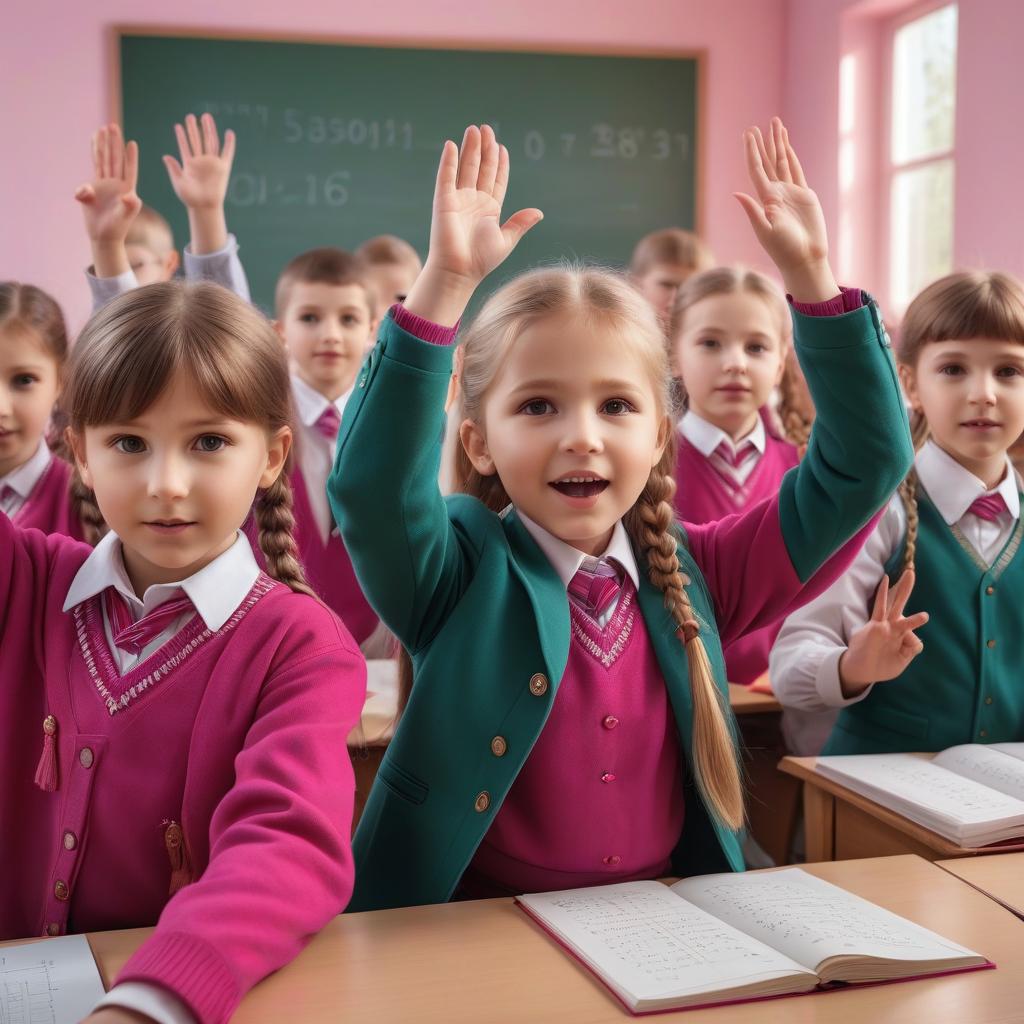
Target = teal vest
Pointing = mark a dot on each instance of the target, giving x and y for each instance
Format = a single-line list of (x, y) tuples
[(967, 685)]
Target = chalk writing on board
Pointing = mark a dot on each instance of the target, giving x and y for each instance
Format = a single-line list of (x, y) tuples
[(247, 189)]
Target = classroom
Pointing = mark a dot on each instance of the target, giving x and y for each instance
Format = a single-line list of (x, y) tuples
[(511, 513)]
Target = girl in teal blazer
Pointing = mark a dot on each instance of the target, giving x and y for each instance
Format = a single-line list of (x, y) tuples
[(559, 585)]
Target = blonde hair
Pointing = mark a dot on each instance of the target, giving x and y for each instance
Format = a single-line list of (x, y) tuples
[(962, 306), (151, 230), (389, 251), (133, 347), (670, 245), (795, 423), (326, 265), (601, 295)]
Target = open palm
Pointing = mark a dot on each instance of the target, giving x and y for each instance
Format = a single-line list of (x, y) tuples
[(201, 179), (109, 202)]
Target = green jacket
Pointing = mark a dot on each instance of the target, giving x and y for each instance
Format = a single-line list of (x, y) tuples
[(485, 617)]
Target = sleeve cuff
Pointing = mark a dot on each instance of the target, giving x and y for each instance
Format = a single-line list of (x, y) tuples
[(104, 289), (157, 1003), (827, 683), (425, 330), (230, 246), (846, 301)]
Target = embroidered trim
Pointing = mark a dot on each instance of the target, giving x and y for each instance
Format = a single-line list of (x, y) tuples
[(89, 621), (621, 620)]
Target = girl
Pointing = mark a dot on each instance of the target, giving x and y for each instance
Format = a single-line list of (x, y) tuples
[(730, 337), (953, 529), (172, 720), (33, 349), (560, 573)]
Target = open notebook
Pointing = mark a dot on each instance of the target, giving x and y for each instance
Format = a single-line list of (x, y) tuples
[(735, 937), (972, 795)]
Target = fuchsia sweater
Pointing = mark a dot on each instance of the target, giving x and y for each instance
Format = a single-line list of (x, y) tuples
[(48, 507), (232, 741)]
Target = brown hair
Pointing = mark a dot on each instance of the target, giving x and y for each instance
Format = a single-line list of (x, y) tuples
[(327, 265), (597, 294), (792, 412), (961, 306), (151, 230), (670, 245), (389, 250), (132, 348)]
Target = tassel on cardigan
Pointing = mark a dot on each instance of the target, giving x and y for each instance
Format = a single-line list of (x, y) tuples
[(46, 770)]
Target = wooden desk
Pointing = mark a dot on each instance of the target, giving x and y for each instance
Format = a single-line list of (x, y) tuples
[(843, 825), (745, 701), (486, 961), (1000, 877)]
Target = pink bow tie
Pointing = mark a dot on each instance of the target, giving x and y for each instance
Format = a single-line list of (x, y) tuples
[(329, 423), (133, 637), (595, 590), (989, 507)]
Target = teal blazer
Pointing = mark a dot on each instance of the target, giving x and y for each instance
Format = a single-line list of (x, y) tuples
[(485, 617)]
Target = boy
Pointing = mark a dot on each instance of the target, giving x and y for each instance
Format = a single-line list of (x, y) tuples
[(392, 264), (662, 261)]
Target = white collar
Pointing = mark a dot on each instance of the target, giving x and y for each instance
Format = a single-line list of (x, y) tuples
[(706, 437), (310, 404), (24, 479), (952, 488), (566, 560), (216, 590)]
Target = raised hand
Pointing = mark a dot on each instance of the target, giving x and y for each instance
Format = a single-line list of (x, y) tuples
[(200, 180), (467, 238), (109, 202), (786, 215), (887, 644)]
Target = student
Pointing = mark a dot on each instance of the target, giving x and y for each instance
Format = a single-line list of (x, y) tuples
[(34, 482), (392, 266), (561, 572), (325, 314), (185, 714), (663, 261), (951, 538), (131, 243), (730, 337)]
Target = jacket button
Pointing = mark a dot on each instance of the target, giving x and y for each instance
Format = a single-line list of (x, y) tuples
[(70, 840), (499, 746), (990, 591), (988, 700), (482, 802), (983, 733), (60, 890), (610, 722), (608, 777), (538, 684), (613, 859), (85, 757), (53, 928), (990, 644)]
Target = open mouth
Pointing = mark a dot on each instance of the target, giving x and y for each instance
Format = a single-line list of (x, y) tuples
[(585, 486)]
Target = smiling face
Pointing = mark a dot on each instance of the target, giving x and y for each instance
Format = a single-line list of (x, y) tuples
[(328, 329), (972, 395), (729, 354), (572, 425), (29, 377), (177, 482)]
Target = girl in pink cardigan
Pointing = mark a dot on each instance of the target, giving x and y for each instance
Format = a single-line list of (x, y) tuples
[(173, 720), (731, 342)]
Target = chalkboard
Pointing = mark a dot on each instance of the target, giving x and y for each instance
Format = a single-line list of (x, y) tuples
[(339, 142)]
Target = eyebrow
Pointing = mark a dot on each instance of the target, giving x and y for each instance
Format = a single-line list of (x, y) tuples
[(602, 385), (141, 424), (26, 367)]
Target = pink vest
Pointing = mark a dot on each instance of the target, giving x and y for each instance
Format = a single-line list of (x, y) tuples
[(703, 497), (48, 507), (600, 797)]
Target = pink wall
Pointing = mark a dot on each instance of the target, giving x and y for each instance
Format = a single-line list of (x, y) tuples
[(54, 60)]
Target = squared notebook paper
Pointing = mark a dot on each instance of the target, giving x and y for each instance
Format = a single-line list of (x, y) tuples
[(972, 795), (51, 982), (731, 938)]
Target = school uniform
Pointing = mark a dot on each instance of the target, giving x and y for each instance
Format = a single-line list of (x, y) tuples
[(964, 686), (222, 267), (484, 613), (206, 762), (36, 495), (717, 477)]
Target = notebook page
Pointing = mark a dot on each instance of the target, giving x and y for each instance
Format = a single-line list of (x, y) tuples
[(51, 982), (983, 764), (811, 920), (651, 944), (1013, 749)]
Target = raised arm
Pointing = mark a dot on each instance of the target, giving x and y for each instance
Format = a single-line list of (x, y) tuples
[(412, 560)]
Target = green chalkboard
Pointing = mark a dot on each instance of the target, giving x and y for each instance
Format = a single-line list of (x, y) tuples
[(339, 142)]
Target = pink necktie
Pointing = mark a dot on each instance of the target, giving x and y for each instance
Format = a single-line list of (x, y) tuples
[(131, 636), (989, 507), (329, 423), (595, 590), (737, 457)]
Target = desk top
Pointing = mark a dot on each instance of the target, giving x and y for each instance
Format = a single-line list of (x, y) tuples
[(745, 701), (1000, 877), (486, 960)]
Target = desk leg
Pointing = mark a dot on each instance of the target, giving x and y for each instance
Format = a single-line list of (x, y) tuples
[(819, 824)]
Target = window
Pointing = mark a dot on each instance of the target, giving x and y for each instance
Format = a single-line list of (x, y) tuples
[(921, 152)]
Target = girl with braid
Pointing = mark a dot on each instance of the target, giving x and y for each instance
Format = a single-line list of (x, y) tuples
[(730, 340), (173, 720), (568, 720), (945, 558)]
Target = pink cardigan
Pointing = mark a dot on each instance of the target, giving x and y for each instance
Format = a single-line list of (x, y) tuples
[(237, 737), (48, 507)]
